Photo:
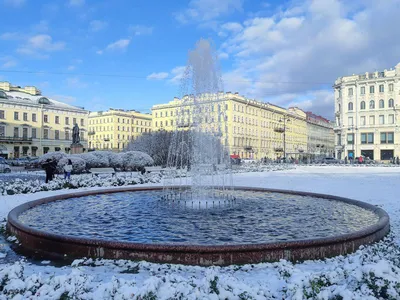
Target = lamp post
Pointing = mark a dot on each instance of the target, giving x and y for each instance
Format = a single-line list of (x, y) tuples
[(284, 120)]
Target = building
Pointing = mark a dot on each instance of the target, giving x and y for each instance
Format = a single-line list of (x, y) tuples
[(255, 129), (115, 128), (320, 136), (366, 115), (32, 124)]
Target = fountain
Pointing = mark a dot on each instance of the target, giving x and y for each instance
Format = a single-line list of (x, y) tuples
[(201, 220), (200, 141)]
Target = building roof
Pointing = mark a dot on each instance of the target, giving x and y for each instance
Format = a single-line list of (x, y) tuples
[(35, 100)]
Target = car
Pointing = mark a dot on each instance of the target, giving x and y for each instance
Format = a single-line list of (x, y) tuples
[(4, 167), (248, 161)]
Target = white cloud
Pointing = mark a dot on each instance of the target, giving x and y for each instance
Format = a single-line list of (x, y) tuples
[(177, 75), (97, 25), (75, 82), (303, 49), (141, 30), (11, 36), (76, 2), (7, 62), (15, 3), (121, 44), (207, 10), (71, 67), (223, 55), (42, 26), (38, 45), (157, 76)]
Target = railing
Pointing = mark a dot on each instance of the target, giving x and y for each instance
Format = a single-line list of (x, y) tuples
[(13, 139), (91, 133), (279, 129), (278, 149)]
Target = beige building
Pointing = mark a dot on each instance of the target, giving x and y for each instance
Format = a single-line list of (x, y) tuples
[(32, 124), (115, 128), (366, 112), (320, 136), (254, 129)]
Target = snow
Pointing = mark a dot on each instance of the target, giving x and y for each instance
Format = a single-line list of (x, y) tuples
[(371, 273)]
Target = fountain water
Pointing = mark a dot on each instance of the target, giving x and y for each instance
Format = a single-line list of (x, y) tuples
[(200, 141)]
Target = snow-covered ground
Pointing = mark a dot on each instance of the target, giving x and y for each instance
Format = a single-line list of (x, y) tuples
[(370, 273)]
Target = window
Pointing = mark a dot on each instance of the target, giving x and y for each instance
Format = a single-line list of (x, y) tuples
[(387, 137), (57, 134), (25, 117), (45, 133), (16, 132), (74, 121), (372, 104), (2, 130), (381, 88), (34, 133), (381, 103), (371, 120), (362, 90), (363, 138), (362, 120), (350, 121), (391, 119), (82, 136), (370, 138), (66, 120), (350, 93), (57, 120), (362, 105), (371, 89), (381, 119), (391, 87), (46, 118), (2, 114), (25, 133), (350, 138), (350, 106), (33, 117), (391, 103), (16, 117)]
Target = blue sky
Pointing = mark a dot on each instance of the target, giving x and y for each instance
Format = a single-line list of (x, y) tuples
[(285, 52)]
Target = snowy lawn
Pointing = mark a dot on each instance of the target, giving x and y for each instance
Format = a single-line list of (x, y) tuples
[(370, 273)]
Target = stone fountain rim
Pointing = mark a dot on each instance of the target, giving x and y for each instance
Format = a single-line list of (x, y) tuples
[(15, 226)]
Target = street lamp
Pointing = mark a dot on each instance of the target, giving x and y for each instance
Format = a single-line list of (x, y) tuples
[(284, 120)]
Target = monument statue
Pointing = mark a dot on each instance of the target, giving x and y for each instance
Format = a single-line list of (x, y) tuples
[(75, 135)]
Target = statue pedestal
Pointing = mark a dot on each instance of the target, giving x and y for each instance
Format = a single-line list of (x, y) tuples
[(76, 149)]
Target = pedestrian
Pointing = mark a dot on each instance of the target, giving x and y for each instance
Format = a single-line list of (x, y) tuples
[(360, 159), (48, 166), (67, 169)]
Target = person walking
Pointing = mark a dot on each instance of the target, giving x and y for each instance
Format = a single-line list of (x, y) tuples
[(48, 166), (67, 169)]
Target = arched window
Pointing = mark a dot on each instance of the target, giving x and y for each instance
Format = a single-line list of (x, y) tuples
[(381, 103), (372, 104), (391, 103), (350, 106), (362, 105)]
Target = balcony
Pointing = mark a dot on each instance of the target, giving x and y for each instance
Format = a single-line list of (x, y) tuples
[(278, 149), (91, 133), (106, 139), (279, 129), (248, 148), (13, 139)]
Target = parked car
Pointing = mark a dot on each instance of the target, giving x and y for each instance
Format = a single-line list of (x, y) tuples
[(328, 160), (4, 167), (248, 161), (33, 164)]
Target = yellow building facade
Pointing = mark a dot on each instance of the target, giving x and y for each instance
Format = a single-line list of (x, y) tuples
[(254, 129), (32, 125), (115, 128)]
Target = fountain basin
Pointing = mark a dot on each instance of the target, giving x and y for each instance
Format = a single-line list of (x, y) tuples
[(49, 243)]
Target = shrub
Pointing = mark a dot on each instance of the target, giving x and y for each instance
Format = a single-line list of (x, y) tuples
[(116, 160), (78, 164), (91, 160), (57, 156), (134, 159)]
